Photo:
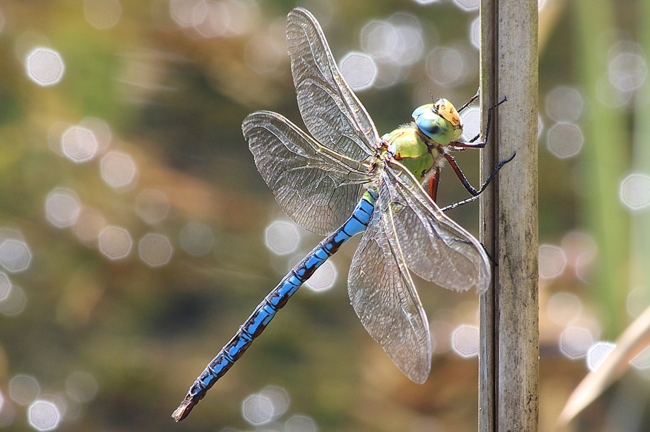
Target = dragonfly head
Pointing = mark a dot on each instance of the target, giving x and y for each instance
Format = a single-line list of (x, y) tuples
[(439, 121)]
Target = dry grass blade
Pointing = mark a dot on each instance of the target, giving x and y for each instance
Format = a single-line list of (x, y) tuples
[(633, 341)]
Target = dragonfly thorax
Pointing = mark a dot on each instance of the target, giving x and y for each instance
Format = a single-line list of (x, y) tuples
[(407, 145), (439, 121)]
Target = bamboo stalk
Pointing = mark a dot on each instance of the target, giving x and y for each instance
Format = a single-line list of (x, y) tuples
[(508, 366)]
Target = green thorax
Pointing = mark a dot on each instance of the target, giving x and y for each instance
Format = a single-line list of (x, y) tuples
[(410, 149)]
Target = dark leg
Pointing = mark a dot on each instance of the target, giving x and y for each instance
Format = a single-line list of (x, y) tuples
[(465, 182), (475, 193), (471, 144), (458, 146), (459, 203), (469, 102)]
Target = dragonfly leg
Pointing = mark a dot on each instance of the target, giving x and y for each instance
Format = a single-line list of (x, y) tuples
[(475, 193), (460, 146), (461, 175), (455, 145), (469, 102), (433, 183)]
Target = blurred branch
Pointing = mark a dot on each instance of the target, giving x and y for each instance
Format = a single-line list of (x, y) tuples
[(633, 341)]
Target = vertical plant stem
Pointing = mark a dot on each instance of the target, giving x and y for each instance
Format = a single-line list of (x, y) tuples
[(508, 363), (488, 352)]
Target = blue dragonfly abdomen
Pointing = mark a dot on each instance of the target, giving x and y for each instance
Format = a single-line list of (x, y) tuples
[(274, 301)]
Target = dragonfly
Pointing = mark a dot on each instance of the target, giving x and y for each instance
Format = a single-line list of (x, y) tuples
[(345, 179)]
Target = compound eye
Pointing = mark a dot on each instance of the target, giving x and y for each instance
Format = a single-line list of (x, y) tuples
[(421, 110), (429, 123)]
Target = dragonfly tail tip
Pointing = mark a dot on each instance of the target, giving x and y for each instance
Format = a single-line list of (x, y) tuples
[(183, 410)]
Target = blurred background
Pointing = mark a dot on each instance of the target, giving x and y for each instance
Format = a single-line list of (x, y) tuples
[(136, 234)]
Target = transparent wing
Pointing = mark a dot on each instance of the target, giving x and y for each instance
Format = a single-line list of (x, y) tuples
[(384, 297), (331, 111), (315, 186), (435, 247)]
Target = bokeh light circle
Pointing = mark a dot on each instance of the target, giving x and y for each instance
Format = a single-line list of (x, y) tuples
[(15, 255), (24, 389), (45, 66), (81, 386), (197, 239), (152, 206), (598, 353), (102, 14), (635, 191), (5, 287), (323, 278), (89, 224), (471, 123), (115, 242), (79, 144), (574, 342), (43, 415), (257, 409), (465, 341), (282, 238), (14, 304), (118, 169), (563, 308), (467, 5), (62, 207), (279, 399), (552, 261), (155, 249), (565, 140), (300, 423), (642, 360), (359, 70), (564, 104)]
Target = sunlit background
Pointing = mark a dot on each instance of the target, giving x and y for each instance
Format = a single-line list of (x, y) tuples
[(136, 234)]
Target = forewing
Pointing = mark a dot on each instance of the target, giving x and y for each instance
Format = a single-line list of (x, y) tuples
[(331, 111), (435, 247), (315, 187), (384, 297)]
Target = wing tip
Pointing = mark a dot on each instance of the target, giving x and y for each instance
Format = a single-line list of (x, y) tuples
[(483, 285), (301, 14), (300, 11), (419, 372), (485, 276), (420, 378)]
